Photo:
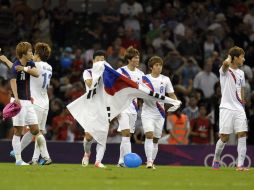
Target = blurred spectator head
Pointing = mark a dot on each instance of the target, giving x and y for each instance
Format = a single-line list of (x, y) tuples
[(220, 17), (202, 109), (99, 55)]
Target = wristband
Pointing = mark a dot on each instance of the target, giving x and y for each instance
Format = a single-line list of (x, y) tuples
[(25, 69)]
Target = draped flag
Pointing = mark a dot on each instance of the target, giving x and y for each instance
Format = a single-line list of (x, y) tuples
[(110, 94)]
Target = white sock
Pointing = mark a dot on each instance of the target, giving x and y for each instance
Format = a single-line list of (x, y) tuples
[(26, 140), (218, 150), (42, 146), (16, 145), (100, 150), (241, 149), (37, 152), (87, 146), (155, 150), (126, 145), (149, 149), (121, 153)]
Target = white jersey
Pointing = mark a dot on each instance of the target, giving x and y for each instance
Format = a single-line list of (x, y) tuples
[(231, 83), (87, 74), (162, 85), (136, 76), (39, 86)]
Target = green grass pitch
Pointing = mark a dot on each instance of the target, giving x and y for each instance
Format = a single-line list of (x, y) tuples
[(76, 177)]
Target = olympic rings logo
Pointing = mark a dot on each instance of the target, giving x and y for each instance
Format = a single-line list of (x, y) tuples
[(227, 160)]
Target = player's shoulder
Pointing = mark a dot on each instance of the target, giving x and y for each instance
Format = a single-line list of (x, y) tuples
[(41, 65), (240, 71), (164, 77), (87, 72), (139, 71), (16, 62), (122, 68), (31, 63)]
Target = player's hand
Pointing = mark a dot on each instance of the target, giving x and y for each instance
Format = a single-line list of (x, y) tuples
[(19, 68), (227, 61)]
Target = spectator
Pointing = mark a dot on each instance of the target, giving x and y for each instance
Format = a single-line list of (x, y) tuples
[(201, 131), (206, 79)]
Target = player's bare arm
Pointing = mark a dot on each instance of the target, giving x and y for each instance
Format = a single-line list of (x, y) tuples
[(32, 71), (5, 60), (14, 90), (226, 63), (242, 94), (171, 95), (89, 82)]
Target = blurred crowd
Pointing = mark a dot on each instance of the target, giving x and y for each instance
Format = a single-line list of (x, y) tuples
[(191, 36)]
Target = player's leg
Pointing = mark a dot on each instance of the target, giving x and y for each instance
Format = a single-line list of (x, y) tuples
[(241, 129), (158, 127), (42, 115), (87, 148), (16, 145), (18, 123), (148, 126), (149, 148), (26, 140), (32, 121), (218, 150), (124, 127), (241, 149), (100, 150), (226, 127)]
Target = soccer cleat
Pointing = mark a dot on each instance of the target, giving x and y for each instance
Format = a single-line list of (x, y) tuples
[(216, 165), (45, 161), (99, 165), (121, 165), (85, 160), (154, 168), (241, 168), (21, 163), (33, 162), (12, 154), (149, 165)]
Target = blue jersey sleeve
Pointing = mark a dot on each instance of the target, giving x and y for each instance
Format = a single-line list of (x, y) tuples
[(13, 74), (31, 64)]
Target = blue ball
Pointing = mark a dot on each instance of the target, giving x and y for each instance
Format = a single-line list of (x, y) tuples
[(132, 160)]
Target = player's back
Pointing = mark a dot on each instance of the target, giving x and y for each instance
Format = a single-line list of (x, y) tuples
[(39, 85)]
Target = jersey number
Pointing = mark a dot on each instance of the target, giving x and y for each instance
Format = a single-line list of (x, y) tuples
[(46, 79)]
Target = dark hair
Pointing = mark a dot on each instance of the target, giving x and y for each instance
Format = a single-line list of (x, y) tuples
[(235, 52), (130, 53), (99, 53), (43, 50), (153, 60)]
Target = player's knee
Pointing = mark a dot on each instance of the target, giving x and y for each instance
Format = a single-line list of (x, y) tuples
[(88, 137), (126, 133), (241, 134), (149, 135), (224, 137), (35, 131), (155, 140), (18, 131)]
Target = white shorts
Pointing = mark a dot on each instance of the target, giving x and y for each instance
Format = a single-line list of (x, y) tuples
[(154, 125), (232, 121), (42, 115), (26, 116), (127, 121)]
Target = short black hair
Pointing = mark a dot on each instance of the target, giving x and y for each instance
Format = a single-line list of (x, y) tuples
[(99, 53)]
